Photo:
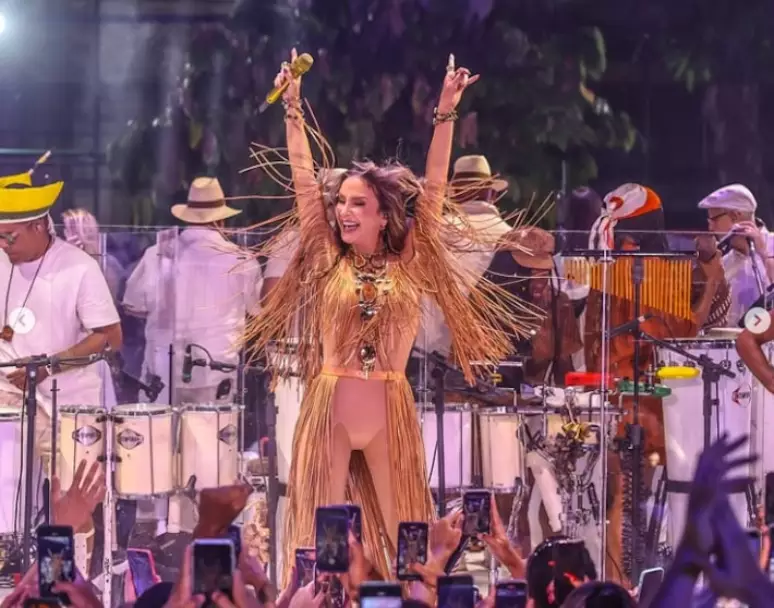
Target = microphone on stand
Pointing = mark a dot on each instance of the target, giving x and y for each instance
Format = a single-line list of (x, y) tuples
[(187, 364), (629, 325), (300, 66)]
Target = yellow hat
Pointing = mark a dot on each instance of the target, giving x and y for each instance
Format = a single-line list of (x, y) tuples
[(21, 202), (24, 179)]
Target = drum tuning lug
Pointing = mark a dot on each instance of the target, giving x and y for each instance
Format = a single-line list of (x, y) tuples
[(101, 419), (117, 419), (740, 366)]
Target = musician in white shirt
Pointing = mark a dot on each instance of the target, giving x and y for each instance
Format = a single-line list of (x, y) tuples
[(731, 209), (196, 289), (56, 302), (480, 215)]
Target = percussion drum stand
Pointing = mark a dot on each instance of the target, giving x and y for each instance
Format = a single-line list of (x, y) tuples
[(272, 487), (439, 390), (711, 373)]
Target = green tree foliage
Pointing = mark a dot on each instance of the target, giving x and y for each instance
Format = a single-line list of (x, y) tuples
[(378, 67)]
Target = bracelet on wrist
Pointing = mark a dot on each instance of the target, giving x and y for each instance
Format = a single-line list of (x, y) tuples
[(439, 117)]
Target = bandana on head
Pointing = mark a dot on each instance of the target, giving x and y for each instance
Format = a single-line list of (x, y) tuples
[(625, 202)]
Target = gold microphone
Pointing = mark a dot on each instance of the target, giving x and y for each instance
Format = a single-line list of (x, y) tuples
[(300, 66)]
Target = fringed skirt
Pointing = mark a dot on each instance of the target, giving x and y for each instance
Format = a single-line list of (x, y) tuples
[(309, 483)]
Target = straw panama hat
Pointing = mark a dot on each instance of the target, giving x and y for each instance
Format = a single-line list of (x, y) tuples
[(476, 167), (206, 203)]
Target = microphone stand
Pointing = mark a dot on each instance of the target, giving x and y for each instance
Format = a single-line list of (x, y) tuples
[(439, 374), (54, 447), (171, 375), (31, 366)]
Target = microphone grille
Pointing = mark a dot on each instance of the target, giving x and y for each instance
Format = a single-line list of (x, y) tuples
[(302, 64)]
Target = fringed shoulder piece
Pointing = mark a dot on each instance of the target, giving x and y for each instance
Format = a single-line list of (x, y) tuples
[(482, 317)]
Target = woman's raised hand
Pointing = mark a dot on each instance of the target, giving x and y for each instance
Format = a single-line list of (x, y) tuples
[(293, 93), (454, 84)]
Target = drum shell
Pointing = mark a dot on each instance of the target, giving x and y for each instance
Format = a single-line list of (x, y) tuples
[(502, 459), (143, 444), (209, 446), (81, 432), (458, 445)]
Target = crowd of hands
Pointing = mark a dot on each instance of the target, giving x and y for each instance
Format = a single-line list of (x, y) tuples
[(714, 546)]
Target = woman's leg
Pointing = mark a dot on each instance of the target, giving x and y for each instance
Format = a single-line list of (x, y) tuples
[(377, 457), (341, 452)]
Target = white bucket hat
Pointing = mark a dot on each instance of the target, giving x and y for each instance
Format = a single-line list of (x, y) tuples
[(206, 203)]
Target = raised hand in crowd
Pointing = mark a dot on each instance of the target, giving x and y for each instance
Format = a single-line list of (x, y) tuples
[(701, 535), (734, 573), (182, 594), (74, 507), (25, 590), (444, 538), (81, 593), (359, 568), (501, 547)]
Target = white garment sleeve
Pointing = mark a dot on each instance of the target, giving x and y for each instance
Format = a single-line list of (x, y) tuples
[(253, 281), (278, 263), (136, 293), (95, 306)]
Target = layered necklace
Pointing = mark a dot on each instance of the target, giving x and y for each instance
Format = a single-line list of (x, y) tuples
[(371, 283), (8, 331)]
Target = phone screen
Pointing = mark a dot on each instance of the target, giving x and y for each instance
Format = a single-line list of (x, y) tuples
[(477, 507), (213, 566), (754, 541), (511, 594), (234, 533), (331, 539), (39, 602), (412, 548), (456, 592), (55, 559), (650, 581), (380, 595), (142, 569), (769, 498), (355, 520), (332, 587), (304, 566)]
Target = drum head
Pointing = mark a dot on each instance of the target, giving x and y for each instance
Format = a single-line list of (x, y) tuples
[(142, 409), (211, 407), (81, 409)]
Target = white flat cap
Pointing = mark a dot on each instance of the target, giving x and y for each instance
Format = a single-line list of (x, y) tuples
[(735, 197)]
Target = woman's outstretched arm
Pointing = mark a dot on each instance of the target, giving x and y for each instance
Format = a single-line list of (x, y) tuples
[(439, 153), (308, 193)]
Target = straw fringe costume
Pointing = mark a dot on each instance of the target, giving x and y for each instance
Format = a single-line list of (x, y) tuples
[(330, 289)]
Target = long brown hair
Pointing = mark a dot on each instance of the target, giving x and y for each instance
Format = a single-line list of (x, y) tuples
[(396, 188)]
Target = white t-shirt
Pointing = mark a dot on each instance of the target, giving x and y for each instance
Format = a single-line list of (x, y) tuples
[(67, 300), (742, 281), (199, 295), (475, 258)]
